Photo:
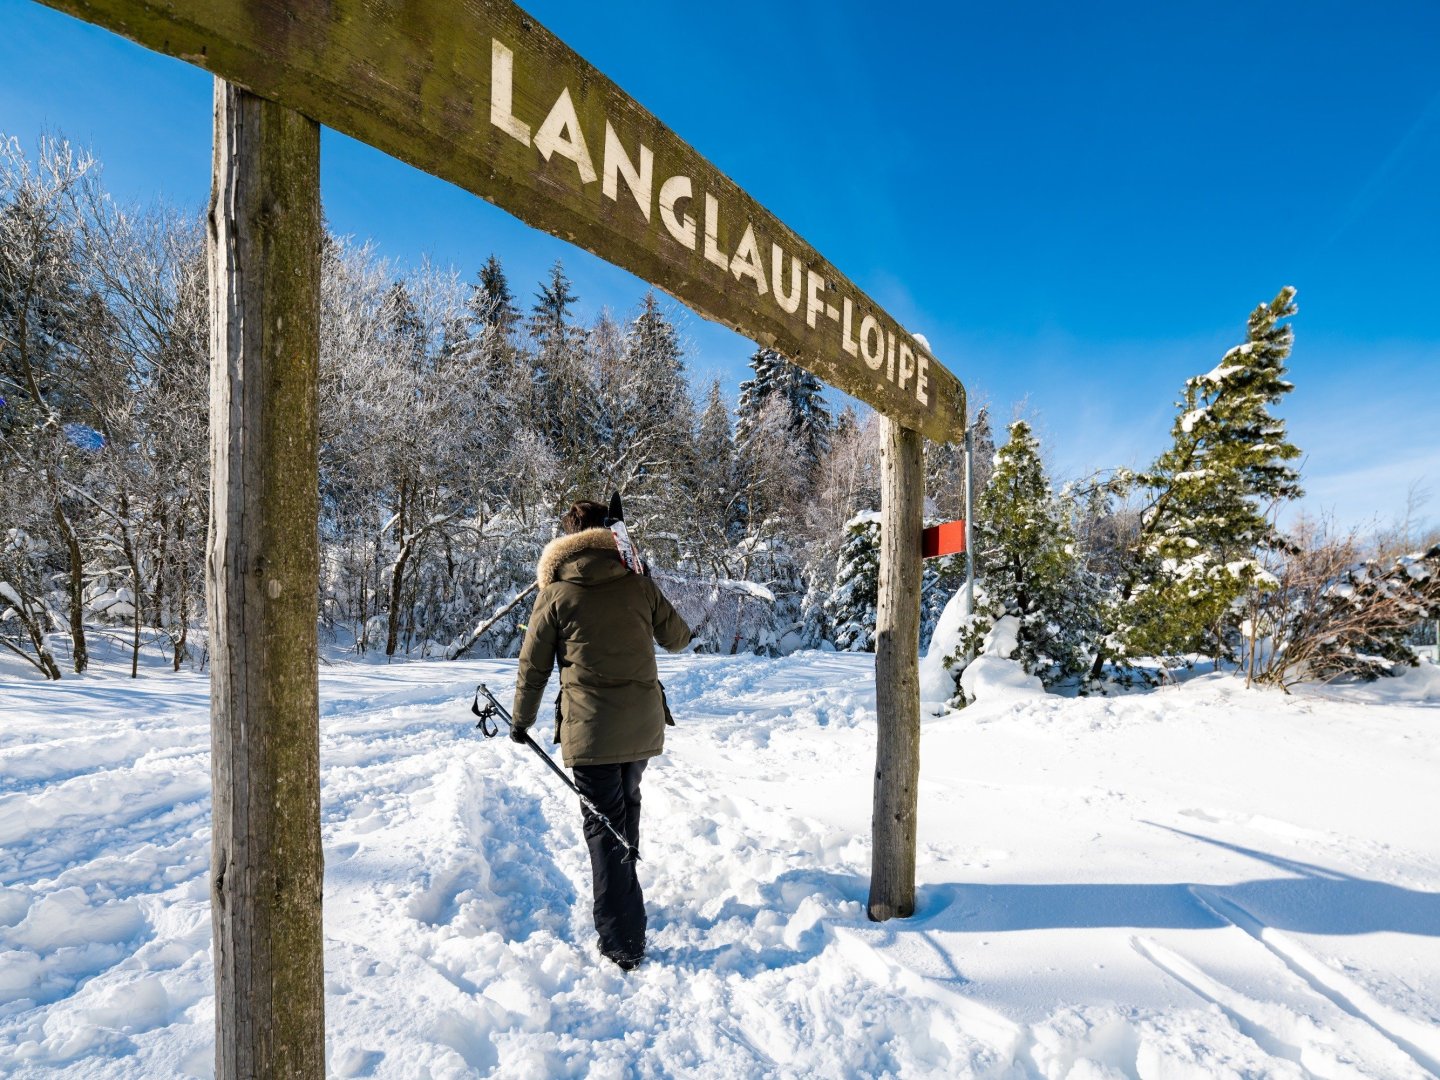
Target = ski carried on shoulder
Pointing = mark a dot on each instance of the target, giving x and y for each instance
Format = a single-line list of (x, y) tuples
[(628, 553)]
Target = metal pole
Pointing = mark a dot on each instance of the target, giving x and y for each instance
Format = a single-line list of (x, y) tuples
[(969, 513)]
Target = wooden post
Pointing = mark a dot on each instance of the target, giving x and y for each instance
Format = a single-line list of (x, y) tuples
[(897, 674), (261, 583)]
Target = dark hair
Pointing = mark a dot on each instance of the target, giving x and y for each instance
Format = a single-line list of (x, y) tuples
[(584, 515)]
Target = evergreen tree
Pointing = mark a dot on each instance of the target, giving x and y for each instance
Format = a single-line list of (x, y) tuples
[(710, 484), (1025, 553), (809, 424), (1211, 497), (491, 303), (853, 605), (563, 402), (550, 316), (940, 579), (661, 452)]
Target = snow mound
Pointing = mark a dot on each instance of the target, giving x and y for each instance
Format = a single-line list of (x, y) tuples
[(1421, 683), (993, 676), (1004, 637), (937, 682)]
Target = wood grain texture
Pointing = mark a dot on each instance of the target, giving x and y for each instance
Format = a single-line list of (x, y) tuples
[(897, 675), (426, 81), (261, 570)]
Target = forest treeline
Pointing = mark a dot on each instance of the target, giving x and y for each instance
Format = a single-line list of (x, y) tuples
[(459, 417)]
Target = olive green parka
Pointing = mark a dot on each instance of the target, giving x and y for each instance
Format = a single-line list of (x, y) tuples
[(598, 622)]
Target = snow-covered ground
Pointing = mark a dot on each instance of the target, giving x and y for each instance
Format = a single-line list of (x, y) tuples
[(1195, 882)]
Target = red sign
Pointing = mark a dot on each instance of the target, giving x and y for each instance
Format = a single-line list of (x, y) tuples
[(947, 539)]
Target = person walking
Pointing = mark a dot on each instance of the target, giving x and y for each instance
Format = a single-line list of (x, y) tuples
[(598, 622)]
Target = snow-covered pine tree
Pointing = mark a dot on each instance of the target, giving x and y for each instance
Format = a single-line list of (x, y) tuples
[(1210, 500), (852, 606), (491, 302), (782, 434), (710, 486), (809, 421), (846, 482), (563, 402), (940, 579), (661, 450), (1025, 554)]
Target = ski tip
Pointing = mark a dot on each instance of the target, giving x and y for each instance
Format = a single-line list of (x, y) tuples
[(617, 513)]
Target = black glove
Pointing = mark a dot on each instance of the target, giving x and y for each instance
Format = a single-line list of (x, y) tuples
[(518, 734)]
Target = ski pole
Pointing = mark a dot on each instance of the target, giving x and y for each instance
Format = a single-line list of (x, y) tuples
[(487, 727)]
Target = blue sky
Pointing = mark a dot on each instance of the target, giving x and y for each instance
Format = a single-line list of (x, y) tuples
[(1077, 204)]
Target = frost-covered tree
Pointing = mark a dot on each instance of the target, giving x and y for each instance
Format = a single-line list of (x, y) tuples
[(846, 482), (1025, 554), (645, 423), (401, 499), (26, 610), (782, 431), (1209, 500), (148, 346), (945, 470), (43, 302), (710, 487), (771, 475)]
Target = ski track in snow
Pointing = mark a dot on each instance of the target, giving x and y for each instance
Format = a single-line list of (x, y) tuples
[(1195, 882)]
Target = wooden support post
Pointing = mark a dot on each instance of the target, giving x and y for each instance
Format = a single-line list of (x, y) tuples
[(261, 581), (897, 674)]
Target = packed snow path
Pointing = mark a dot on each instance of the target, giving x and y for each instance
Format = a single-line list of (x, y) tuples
[(1195, 882)]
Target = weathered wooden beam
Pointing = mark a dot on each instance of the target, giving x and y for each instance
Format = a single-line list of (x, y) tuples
[(897, 674), (262, 566), (480, 94)]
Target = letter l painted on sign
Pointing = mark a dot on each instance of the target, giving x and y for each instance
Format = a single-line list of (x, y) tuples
[(502, 77)]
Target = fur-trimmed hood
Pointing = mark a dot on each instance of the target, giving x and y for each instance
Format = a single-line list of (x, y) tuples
[(564, 548)]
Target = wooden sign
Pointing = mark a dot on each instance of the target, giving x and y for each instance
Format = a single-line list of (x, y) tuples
[(946, 539), (482, 95)]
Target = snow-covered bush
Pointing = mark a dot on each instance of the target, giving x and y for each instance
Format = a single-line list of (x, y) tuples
[(1328, 613)]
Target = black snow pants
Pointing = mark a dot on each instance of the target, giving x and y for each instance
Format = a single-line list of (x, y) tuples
[(619, 903)]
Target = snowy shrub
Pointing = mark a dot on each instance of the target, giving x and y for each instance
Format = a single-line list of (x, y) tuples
[(1329, 613)]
